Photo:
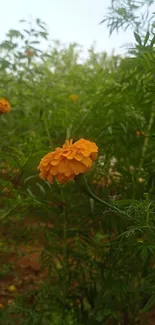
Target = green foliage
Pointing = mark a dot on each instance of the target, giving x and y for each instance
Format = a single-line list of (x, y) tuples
[(124, 14), (100, 262)]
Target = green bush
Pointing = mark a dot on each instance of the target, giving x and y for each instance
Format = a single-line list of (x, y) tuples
[(100, 257)]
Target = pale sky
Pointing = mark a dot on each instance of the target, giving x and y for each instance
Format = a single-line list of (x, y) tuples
[(67, 20)]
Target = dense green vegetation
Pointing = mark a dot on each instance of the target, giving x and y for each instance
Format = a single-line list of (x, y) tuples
[(99, 262)]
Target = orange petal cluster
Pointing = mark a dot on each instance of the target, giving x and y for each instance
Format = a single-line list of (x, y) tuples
[(67, 162), (4, 106), (74, 98), (138, 133)]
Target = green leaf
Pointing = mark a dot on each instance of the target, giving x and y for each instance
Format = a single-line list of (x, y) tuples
[(152, 41), (146, 38), (28, 178), (149, 304), (30, 193), (110, 129), (137, 38), (41, 187), (91, 205), (123, 127), (44, 35), (35, 42)]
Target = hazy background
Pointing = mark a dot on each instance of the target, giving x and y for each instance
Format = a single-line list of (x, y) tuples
[(67, 20)]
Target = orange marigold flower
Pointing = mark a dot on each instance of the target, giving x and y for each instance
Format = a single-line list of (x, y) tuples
[(1, 306), (141, 180), (6, 190), (67, 162), (74, 98), (138, 133), (4, 106), (29, 52)]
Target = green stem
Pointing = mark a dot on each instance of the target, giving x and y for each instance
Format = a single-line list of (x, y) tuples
[(146, 141), (65, 242), (65, 250), (148, 210), (65, 254), (47, 129), (82, 181), (68, 133)]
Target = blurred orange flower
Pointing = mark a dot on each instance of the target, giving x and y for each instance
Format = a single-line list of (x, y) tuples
[(67, 162), (74, 97), (29, 52), (1, 306), (141, 180), (6, 190), (4, 106), (138, 133)]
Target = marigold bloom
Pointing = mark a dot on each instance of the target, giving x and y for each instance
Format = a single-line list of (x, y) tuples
[(74, 98), (6, 190), (1, 306), (141, 180), (4, 106), (29, 52), (67, 162), (138, 133), (12, 288)]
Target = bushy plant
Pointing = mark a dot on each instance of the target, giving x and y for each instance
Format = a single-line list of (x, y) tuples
[(96, 253)]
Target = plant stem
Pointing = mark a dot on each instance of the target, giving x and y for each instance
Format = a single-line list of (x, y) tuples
[(148, 214), (65, 254), (68, 132), (145, 145), (81, 179), (65, 251), (47, 129)]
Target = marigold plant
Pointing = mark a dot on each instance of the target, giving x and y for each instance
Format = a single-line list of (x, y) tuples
[(4, 106), (67, 162)]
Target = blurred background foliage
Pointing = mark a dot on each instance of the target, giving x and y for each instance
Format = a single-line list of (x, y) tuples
[(100, 263)]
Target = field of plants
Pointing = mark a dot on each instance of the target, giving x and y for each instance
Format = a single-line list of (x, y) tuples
[(77, 179)]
